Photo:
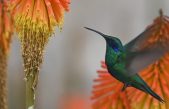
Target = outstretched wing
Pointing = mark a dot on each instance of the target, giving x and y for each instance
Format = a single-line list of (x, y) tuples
[(137, 61), (138, 57), (137, 43)]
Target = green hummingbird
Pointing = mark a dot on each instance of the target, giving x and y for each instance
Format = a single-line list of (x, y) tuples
[(124, 62)]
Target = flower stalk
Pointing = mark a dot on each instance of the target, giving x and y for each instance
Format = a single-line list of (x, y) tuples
[(3, 80), (5, 40), (32, 51), (35, 21)]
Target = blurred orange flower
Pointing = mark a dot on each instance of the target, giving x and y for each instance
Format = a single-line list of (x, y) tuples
[(75, 101), (155, 75), (107, 92), (6, 28)]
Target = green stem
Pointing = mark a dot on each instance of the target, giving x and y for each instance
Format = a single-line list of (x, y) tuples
[(30, 95)]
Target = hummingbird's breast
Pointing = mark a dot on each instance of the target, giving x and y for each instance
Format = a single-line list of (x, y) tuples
[(115, 65), (111, 57)]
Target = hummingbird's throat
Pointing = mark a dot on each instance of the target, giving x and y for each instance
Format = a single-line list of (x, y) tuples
[(111, 56)]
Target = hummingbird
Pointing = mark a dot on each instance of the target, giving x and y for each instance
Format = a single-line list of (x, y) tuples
[(124, 62)]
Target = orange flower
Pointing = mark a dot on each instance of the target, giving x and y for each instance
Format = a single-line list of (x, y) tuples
[(157, 74), (74, 101), (35, 21), (107, 92), (5, 39), (39, 14), (6, 28), (161, 32)]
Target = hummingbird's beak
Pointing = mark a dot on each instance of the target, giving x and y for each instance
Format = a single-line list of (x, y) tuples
[(96, 32)]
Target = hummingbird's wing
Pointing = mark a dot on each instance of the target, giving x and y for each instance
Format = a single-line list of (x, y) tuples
[(138, 59), (135, 44)]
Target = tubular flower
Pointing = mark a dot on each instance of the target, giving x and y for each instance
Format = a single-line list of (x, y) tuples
[(6, 28), (155, 75), (74, 102), (107, 92), (161, 32), (35, 21), (5, 39)]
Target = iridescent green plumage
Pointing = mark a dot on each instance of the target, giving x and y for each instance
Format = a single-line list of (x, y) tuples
[(119, 61)]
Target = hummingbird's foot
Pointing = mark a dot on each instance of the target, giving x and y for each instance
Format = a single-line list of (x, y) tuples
[(124, 87)]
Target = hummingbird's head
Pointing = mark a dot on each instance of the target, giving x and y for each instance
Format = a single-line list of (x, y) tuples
[(111, 41)]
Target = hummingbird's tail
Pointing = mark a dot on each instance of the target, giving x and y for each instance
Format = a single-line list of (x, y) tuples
[(144, 87)]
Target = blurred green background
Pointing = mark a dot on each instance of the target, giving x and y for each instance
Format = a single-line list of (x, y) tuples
[(73, 55)]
